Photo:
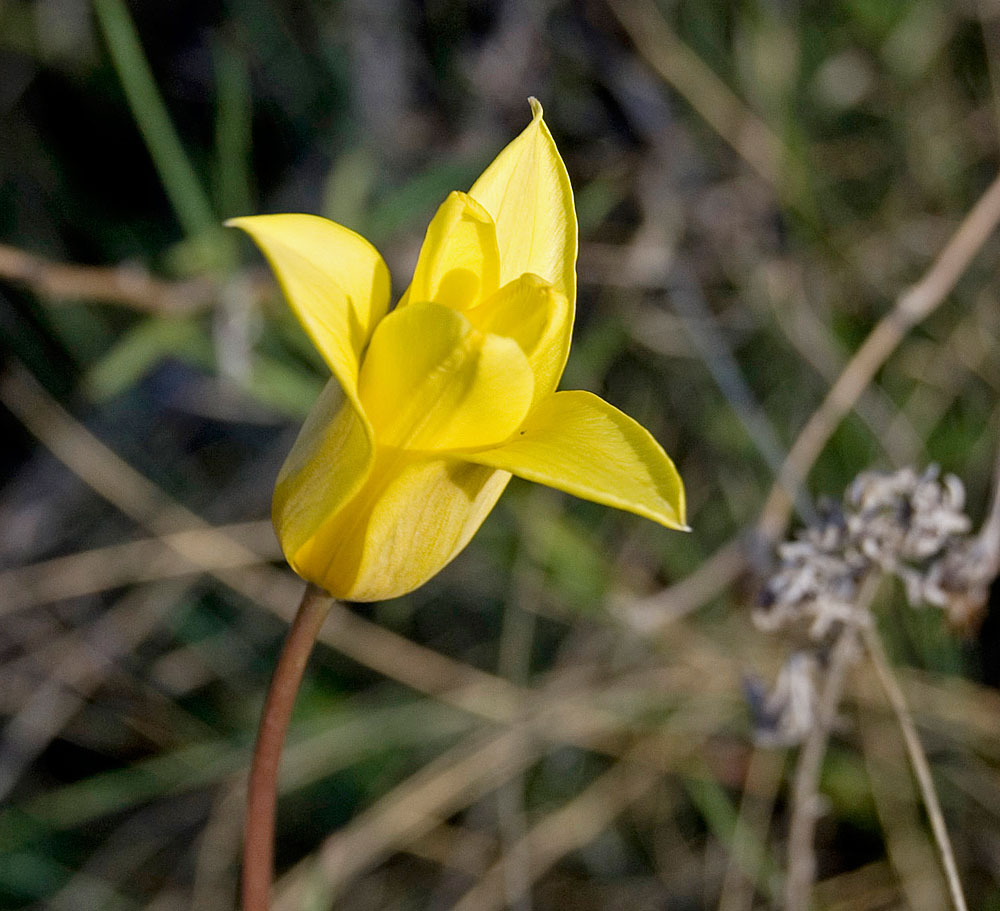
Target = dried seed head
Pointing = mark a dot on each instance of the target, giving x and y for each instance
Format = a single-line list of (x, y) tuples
[(902, 523), (903, 517), (912, 526)]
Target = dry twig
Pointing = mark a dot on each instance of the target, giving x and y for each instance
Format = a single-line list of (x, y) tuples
[(918, 761), (911, 308), (714, 101), (128, 286)]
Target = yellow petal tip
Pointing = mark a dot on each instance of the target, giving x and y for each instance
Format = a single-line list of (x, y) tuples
[(536, 108)]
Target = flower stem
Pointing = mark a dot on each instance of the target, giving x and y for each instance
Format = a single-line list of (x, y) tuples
[(918, 760), (258, 832)]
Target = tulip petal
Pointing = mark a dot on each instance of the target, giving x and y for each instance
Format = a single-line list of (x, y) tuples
[(539, 318), (411, 519), (578, 443), (330, 461), (459, 263), (334, 280), (430, 381), (528, 193)]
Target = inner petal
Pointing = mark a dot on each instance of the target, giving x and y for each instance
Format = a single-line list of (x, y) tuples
[(539, 318), (459, 263), (431, 381)]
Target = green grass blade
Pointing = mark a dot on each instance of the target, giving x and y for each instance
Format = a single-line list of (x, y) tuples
[(233, 132), (179, 180)]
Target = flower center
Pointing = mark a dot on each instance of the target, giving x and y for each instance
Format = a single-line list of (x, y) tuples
[(430, 381)]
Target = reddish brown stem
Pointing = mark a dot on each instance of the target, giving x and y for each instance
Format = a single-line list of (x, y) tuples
[(258, 841)]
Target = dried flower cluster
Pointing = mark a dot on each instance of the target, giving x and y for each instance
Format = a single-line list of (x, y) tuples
[(912, 526), (908, 525)]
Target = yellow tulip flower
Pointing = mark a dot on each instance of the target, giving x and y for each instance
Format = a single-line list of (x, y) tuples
[(433, 406)]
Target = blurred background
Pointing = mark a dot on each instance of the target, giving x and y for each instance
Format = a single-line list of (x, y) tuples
[(558, 720)]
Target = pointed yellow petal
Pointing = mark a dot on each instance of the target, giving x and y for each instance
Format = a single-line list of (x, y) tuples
[(328, 464), (334, 280), (539, 318), (412, 517), (528, 193), (431, 381), (459, 263), (577, 442)]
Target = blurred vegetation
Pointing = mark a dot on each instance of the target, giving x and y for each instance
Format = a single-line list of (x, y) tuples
[(757, 183)]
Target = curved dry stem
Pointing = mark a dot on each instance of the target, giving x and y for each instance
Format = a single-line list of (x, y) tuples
[(911, 308)]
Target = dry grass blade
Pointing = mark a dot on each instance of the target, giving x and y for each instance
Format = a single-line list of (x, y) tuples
[(218, 849), (117, 565), (907, 843), (139, 498), (75, 666), (470, 771), (763, 780), (444, 786), (966, 350), (868, 887), (111, 476), (567, 829), (421, 668), (918, 761), (812, 339)]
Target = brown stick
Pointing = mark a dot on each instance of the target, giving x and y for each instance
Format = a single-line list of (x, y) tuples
[(258, 843)]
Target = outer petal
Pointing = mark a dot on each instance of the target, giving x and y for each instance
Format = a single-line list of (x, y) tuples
[(539, 318), (459, 262), (330, 461), (528, 193), (431, 381), (412, 518), (577, 442), (334, 280)]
